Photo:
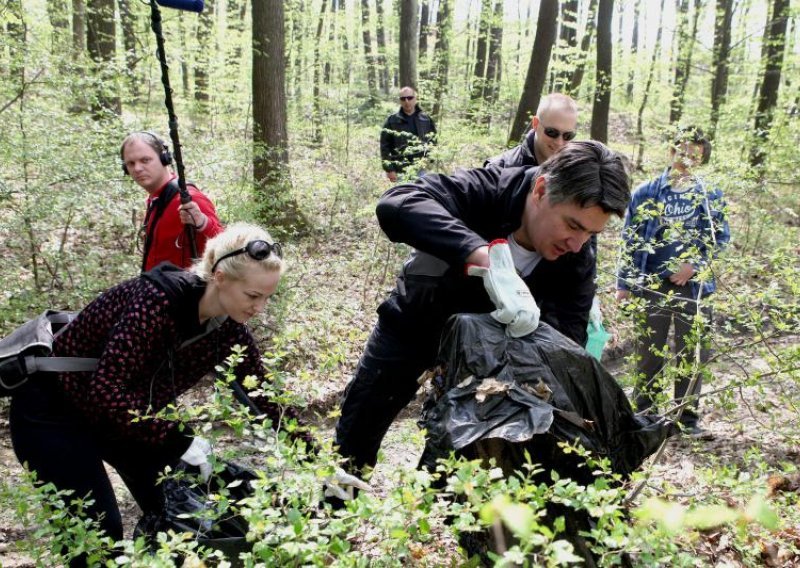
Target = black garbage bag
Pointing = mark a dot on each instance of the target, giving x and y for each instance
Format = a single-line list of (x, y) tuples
[(532, 393), (188, 508)]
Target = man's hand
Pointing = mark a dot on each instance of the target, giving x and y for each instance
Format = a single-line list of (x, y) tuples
[(191, 215), (623, 295), (515, 305), (197, 455), (392, 176), (342, 485), (683, 275)]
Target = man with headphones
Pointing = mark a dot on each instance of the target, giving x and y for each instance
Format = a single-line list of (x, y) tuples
[(146, 158)]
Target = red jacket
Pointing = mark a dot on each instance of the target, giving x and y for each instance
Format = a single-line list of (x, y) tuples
[(169, 239)]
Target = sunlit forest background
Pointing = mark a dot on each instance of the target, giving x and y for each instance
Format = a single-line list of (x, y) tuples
[(280, 107)]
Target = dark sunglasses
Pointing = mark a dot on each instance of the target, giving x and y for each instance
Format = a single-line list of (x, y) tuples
[(555, 133), (411, 98), (257, 250)]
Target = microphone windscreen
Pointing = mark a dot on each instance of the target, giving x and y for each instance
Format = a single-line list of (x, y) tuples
[(189, 5)]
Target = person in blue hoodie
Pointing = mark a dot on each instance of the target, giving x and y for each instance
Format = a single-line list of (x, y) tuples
[(674, 227)]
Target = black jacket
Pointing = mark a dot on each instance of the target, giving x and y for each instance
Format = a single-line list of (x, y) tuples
[(518, 156), (445, 218), (400, 146)]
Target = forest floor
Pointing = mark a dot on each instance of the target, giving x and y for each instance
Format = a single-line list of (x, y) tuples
[(325, 313)]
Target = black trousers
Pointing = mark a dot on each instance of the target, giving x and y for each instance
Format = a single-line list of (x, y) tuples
[(384, 383), (679, 312), (57, 443)]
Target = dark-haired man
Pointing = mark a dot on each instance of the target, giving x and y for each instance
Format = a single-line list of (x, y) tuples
[(675, 225), (406, 137), (146, 158), (544, 217)]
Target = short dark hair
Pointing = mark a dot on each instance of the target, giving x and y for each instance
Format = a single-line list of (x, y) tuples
[(694, 135), (588, 173)]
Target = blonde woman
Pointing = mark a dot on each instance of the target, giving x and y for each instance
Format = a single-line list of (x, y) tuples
[(154, 337)]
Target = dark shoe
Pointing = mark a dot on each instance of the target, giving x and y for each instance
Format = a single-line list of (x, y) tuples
[(696, 432)]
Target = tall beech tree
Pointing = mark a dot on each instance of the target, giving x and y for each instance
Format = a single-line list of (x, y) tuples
[(567, 44), (583, 56), (270, 133), (101, 45), (686, 39), (537, 68), (772, 58), (78, 27), (202, 61), (366, 36), (409, 42), (720, 60), (648, 85), (602, 89), (441, 54)]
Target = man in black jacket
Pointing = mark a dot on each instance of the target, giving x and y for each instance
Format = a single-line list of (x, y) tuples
[(406, 136), (554, 125), (547, 215)]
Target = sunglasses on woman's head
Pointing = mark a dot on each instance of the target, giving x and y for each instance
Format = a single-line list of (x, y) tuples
[(257, 250), (555, 133)]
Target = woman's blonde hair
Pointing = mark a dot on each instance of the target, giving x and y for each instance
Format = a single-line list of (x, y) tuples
[(234, 237)]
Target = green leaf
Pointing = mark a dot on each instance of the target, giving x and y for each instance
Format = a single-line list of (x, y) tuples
[(758, 510)]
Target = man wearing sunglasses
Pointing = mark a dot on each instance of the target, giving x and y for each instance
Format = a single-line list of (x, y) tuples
[(552, 127), (406, 137), (523, 232)]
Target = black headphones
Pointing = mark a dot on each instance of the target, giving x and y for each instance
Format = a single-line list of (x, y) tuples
[(155, 142)]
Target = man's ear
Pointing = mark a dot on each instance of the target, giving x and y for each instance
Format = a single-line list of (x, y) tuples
[(534, 122), (539, 188)]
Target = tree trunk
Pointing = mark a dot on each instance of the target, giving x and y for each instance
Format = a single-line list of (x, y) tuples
[(369, 58), (567, 44), (17, 31), (184, 55), (424, 29), (479, 72), (101, 42), (58, 14), (202, 61), (408, 43), (128, 22), (380, 37), (537, 68), (444, 26), (494, 67), (683, 63), (317, 114), (721, 59), (78, 28), (650, 74), (772, 57), (236, 10), (602, 90), (586, 42), (270, 135), (634, 50)]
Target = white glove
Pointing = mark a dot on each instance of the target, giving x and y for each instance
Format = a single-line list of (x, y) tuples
[(341, 485), (197, 455), (515, 305), (595, 315)]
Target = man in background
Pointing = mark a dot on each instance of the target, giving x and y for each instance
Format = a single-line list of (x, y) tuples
[(146, 158), (554, 124), (406, 137)]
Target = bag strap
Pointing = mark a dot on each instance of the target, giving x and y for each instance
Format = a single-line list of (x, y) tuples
[(156, 210), (59, 364)]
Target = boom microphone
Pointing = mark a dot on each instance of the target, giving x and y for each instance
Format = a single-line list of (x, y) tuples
[(189, 5)]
